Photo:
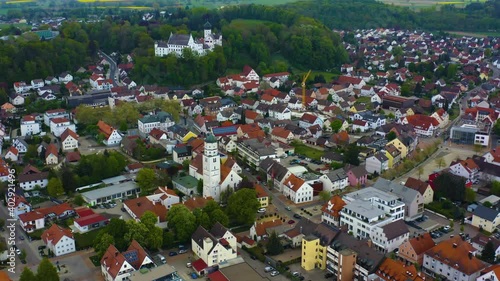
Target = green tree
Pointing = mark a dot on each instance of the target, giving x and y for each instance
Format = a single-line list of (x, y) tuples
[(27, 275), (470, 195), (102, 242), (202, 218), (351, 154), (495, 188), (168, 240), (420, 171), (488, 253), (199, 186), (336, 125), (136, 231), (325, 196), (391, 136), (274, 246), (78, 200), (242, 206), (496, 128), (182, 222), (55, 187), (440, 162), (146, 180), (450, 186), (117, 228), (46, 271), (219, 216), (149, 219), (22, 256)]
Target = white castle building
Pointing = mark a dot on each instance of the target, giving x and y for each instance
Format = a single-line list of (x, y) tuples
[(178, 42)]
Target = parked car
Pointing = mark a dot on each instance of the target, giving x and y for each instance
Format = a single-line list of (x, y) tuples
[(253, 257), (288, 208), (291, 222), (297, 216), (18, 251), (261, 210), (268, 268), (43, 247), (295, 274), (328, 275), (172, 253), (21, 237), (447, 228), (275, 273), (183, 251), (189, 265), (123, 209)]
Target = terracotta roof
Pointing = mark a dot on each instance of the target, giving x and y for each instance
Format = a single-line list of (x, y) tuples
[(90, 219), (260, 227), (457, 253), (196, 202), (309, 118), (31, 216), (348, 80), (59, 120), (199, 265), (112, 261), (57, 209), (416, 184), (333, 206), (280, 132), (4, 276), (250, 114), (68, 132), (294, 182), (197, 163), (84, 211), (267, 97), (51, 149), (140, 205), (73, 156), (55, 233), (391, 270), (27, 118), (224, 172), (157, 133), (260, 191), (136, 250), (13, 150), (135, 165), (105, 129), (246, 70), (18, 199)]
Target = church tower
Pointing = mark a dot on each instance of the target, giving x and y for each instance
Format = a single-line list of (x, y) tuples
[(211, 168), (208, 39)]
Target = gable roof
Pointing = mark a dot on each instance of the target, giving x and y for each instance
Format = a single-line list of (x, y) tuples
[(416, 184), (104, 128), (395, 229), (392, 270), (485, 213), (51, 149), (334, 206), (67, 133), (55, 233), (140, 205), (422, 243), (294, 182), (112, 260), (135, 254), (406, 194)]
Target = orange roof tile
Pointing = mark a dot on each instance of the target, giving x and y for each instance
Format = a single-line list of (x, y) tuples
[(280, 132), (294, 182), (51, 149), (55, 233), (260, 227), (140, 205), (196, 202), (104, 128), (68, 132), (456, 253), (224, 172), (334, 206), (261, 192), (392, 270), (250, 114), (422, 243), (112, 260)]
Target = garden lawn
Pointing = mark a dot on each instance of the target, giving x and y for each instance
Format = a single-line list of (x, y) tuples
[(85, 240), (308, 151)]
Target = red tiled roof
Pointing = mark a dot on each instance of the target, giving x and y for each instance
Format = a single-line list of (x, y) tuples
[(59, 120), (196, 202), (348, 80), (27, 118), (260, 227), (294, 182), (309, 118), (416, 184), (246, 70), (140, 205), (250, 114), (31, 216), (280, 132), (392, 270), (57, 209), (260, 191), (336, 204), (90, 219), (51, 149), (68, 132), (104, 128), (73, 156), (55, 233), (13, 150), (217, 276), (84, 211), (422, 243), (112, 260), (199, 265)]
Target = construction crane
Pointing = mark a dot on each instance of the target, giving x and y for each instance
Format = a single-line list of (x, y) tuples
[(304, 89)]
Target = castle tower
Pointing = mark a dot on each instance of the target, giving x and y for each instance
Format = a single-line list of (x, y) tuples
[(207, 27), (211, 168)]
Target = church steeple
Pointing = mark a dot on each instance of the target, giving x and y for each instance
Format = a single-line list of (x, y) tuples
[(211, 168)]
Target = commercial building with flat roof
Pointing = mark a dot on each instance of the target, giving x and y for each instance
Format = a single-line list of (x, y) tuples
[(110, 193)]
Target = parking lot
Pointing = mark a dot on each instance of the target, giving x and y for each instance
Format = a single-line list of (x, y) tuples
[(113, 212), (299, 160)]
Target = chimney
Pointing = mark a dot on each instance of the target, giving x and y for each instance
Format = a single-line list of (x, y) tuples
[(369, 243), (470, 255), (455, 245), (138, 204), (116, 254)]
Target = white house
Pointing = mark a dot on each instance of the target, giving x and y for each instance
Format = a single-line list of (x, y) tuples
[(214, 247), (20, 145), (377, 163), (297, 190), (65, 77), (111, 135), (307, 120), (360, 125), (280, 112), (21, 87), (32, 221), (338, 178), (389, 237), (161, 120), (16, 99), (31, 177), (116, 266), (51, 155), (29, 126), (69, 140), (37, 83), (54, 113), (59, 125), (59, 240), (467, 169), (21, 206), (12, 154)]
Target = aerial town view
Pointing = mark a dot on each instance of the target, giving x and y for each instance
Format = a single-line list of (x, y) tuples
[(249, 140)]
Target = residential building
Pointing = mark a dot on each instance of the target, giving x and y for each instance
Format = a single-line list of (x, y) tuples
[(413, 200), (490, 274), (297, 190), (424, 188), (412, 251), (254, 151), (214, 247), (12, 154), (315, 245), (349, 258), (453, 259), (116, 266), (158, 203), (51, 155), (338, 178), (393, 154), (262, 230), (69, 140), (20, 145), (31, 221), (307, 120), (262, 196), (368, 208), (400, 146), (178, 42), (467, 169), (282, 135), (31, 177), (330, 212), (357, 175), (88, 220), (54, 113), (160, 120), (29, 126), (480, 240), (21, 205), (59, 124), (391, 270), (377, 163), (59, 240), (111, 135), (485, 218), (182, 153), (387, 238)]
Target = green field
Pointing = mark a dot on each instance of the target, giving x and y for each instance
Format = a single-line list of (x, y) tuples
[(307, 151), (419, 4)]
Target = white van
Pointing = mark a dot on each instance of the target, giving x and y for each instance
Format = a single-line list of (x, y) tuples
[(161, 259)]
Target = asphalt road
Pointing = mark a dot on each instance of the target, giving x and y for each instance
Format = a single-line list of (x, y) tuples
[(113, 68)]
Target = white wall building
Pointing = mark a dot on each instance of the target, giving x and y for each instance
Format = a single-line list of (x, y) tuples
[(59, 240), (59, 125), (29, 126), (54, 113), (214, 247), (211, 169), (160, 120)]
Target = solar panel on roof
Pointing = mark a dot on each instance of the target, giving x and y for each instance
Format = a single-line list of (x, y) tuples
[(131, 256)]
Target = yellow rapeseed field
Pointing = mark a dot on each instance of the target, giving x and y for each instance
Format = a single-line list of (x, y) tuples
[(19, 1)]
